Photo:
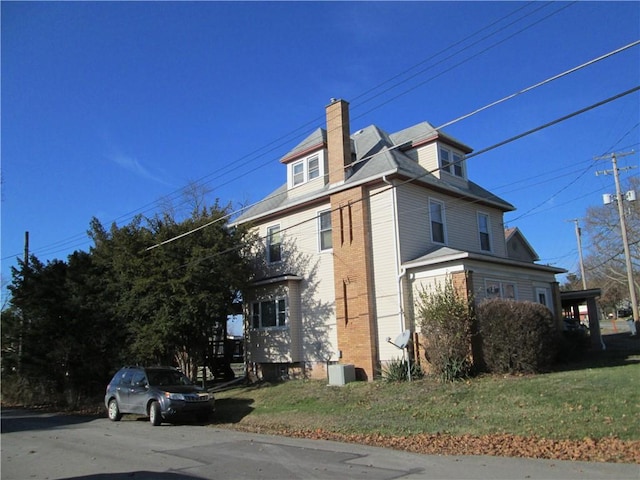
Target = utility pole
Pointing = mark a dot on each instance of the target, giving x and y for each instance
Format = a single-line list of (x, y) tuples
[(623, 228), (25, 272), (579, 239), (26, 250)]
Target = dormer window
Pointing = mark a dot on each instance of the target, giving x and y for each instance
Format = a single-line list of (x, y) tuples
[(451, 162), (298, 173), (305, 170), (313, 167)]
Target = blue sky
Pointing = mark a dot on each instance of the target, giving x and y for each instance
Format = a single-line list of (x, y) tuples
[(109, 107)]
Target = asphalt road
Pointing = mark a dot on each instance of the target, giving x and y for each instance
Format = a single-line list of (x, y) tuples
[(48, 446)]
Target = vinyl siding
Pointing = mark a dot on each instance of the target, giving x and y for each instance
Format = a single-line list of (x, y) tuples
[(413, 221), (312, 311), (427, 157), (426, 281), (385, 271), (461, 222), (526, 280), (307, 187)]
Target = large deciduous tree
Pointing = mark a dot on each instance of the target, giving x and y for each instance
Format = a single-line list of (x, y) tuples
[(605, 265)]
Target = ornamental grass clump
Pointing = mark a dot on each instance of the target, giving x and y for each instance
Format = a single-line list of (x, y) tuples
[(445, 318), (396, 370)]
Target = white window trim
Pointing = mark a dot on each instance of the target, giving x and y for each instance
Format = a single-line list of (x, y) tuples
[(485, 214), (450, 170), (275, 300), (444, 221), (305, 169), (268, 242), (502, 288), (293, 173), (547, 297), (319, 213)]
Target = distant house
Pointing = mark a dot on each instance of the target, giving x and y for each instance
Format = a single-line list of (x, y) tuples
[(363, 222)]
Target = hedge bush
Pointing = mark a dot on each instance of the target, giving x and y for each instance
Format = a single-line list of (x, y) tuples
[(445, 318), (516, 337)]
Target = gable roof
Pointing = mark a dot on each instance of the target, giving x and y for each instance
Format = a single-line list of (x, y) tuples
[(377, 154), (513, 234)]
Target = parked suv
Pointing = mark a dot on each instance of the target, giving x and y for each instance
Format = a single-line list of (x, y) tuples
[(161, 393)]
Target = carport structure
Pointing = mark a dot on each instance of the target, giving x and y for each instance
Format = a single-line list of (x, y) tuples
[(571, 302)]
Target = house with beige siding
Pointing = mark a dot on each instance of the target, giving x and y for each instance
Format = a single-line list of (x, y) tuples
[(362, 223)]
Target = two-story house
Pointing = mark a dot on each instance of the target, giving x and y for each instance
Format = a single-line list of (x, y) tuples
[(362, 224)]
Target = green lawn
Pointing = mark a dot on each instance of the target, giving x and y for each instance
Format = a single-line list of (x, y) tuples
[(592, 401)]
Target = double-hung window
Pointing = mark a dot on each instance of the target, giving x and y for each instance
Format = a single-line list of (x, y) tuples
[(484, 231), (305, 170), (313, 167), (269, 313), (324, 230), (298, 173), (451, 162), (436, 216), (274, 244), (500, 289)]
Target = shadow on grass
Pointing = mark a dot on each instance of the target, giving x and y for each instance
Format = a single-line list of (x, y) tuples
[(620, 349), (232, 410)]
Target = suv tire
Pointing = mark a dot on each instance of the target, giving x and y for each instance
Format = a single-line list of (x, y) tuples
[(114, 411), (155, 417)]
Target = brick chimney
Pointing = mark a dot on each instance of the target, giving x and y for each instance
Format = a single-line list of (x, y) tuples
[(338, 140)]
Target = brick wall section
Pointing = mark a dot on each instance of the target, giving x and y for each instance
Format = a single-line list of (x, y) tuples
[(353, 281), (338, 140), (463, 283)]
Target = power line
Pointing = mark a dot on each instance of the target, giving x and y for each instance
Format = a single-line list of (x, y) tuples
[(450, 47), (467, 59), (279, 142), (555, 77), (417, 177), (449, 123)]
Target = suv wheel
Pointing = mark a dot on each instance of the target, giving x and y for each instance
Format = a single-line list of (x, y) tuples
[(114, 411), (155, 417)]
